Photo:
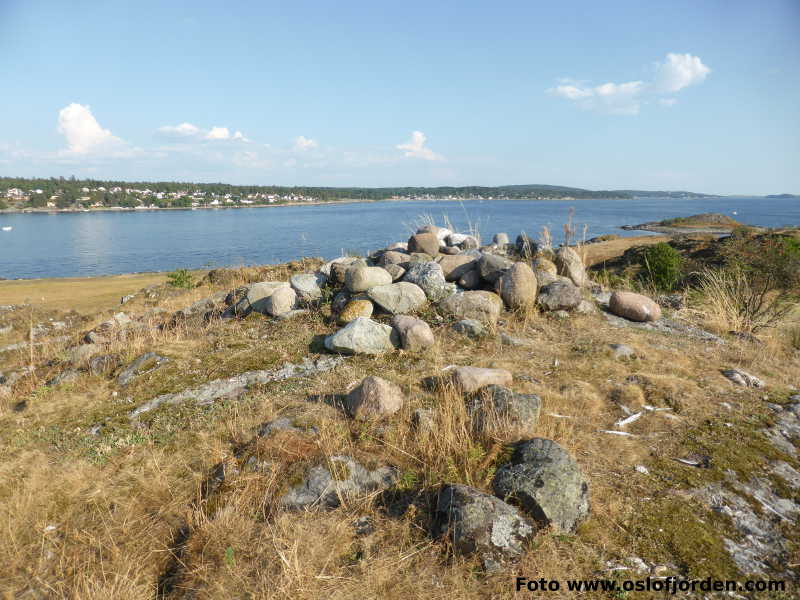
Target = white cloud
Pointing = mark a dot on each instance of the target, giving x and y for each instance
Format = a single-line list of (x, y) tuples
[(303, 143), (613, 98), (182, 130), (82, 131), (675, 73), (415, 148), (679, 71), (218, 133)]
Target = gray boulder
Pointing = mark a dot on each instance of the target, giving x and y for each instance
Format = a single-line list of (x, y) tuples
[(392, 257), (400, 297), (396, 271), (471, 280), (308, 286), (559, 296), (254, 297), (341, 477), (491, 267), (477, 304), (546, 482), (471, 379), (363, 336), (429, 277), (500, 239), (502, 414), (526, 246), (477, 523)]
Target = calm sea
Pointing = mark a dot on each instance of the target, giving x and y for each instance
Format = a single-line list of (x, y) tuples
[(84, 244)]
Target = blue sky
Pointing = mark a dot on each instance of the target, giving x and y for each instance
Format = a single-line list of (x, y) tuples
[(691, 95)]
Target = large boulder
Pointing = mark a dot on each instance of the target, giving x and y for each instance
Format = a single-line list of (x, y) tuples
[(340, 477), (427, 243), (471, 280), (477, 523), (360, 279), (502, 414), (374, 398), (429, 277), (454, 266), (518, 287), (308, 286), (354, 309), (396, 271), (400, 297), (480, 305), (559, 295), (471, 379), (634, 307), (491, 267), (570, 265), (546, 482), (415, 334), (363, 336), (281, 301)]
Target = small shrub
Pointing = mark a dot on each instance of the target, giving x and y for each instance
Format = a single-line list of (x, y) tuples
[(662, 266), (180, 278)]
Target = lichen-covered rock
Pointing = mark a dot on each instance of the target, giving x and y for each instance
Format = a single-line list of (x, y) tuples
[(363, 336), (339, 269), (429, 277), (374, 398), (559, 295), (341, 477), (147, 362), (480, 305), (400, 297), (396, 271), (354, 309), (415, 334), (743, 378), (546, 482), (477, 523), (634, 307), (502, 414), (518, 287)]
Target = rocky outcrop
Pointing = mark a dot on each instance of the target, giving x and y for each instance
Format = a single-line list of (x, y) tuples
[(146, 363)]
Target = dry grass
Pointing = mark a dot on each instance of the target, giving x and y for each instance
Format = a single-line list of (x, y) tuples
[(101, 516)]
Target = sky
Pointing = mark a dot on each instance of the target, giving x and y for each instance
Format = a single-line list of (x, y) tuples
[(660, 95)]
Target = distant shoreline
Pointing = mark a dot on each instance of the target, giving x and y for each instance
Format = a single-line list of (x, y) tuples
[(316, 203)]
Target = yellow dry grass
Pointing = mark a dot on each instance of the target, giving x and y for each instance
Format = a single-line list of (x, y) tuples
[(121, 514)]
